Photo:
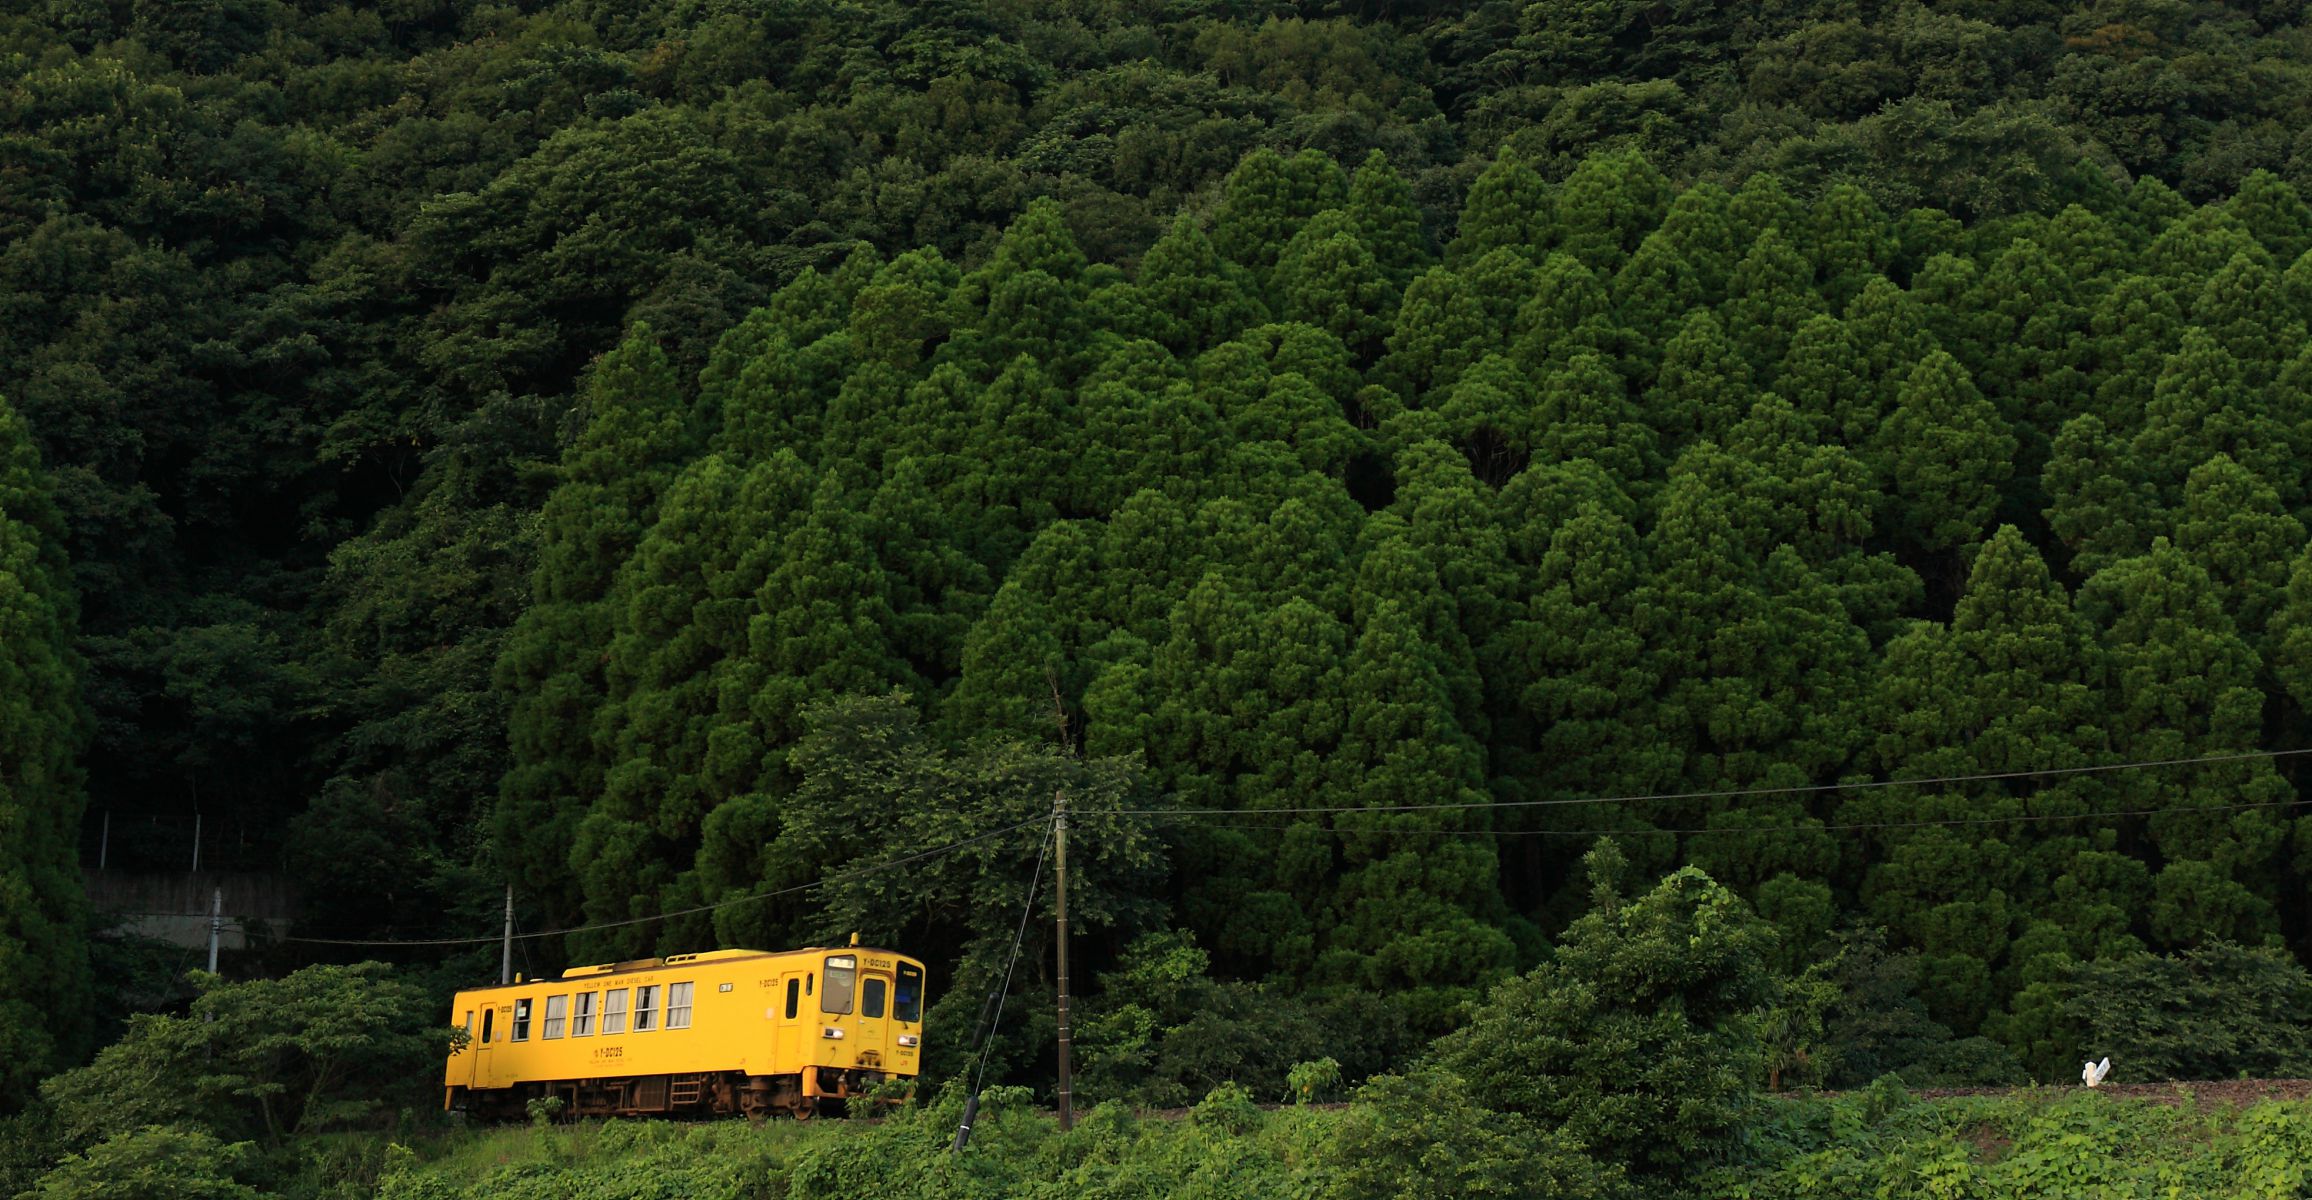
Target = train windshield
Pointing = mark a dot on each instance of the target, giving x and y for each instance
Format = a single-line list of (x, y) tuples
[(907, 998), (842, 974)]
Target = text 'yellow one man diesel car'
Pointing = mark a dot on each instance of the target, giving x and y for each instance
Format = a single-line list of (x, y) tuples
[(729, 1031)]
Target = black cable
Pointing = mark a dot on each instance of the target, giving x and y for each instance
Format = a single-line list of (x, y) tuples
[(1759, 829), (682, 912), (992, 1012), (1729, 793)]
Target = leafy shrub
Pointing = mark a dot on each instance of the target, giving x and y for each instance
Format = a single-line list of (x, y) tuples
[(154, 1163), (1638, 1038), (1228, 1107), (2213, 1012), (1310, 1082), (326, 1047), (1163, 1031), (1421, 1136)]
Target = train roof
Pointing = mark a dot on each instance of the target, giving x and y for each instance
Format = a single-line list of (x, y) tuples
[(598, 970)]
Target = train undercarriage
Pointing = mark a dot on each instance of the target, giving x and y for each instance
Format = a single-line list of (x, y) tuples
[(815, 1091)]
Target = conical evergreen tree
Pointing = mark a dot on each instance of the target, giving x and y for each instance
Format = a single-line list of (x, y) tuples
[(1440, 329), (1652, 293), (1387, 220), (2242, 309), (1584, 411), (2272, 211), (1826, 378), (1570, 311), (1700, 227), (2006, 686), (1410, 918), (1946, 452), (1850, 241), (2201, 407), (2184, 686), (1770, 296), (2233, 526), (1508, 207), (1609, 202), (1889, 330), (44, 970), (2098, 507), (2192, 249), (1328, 278), (1703, 386), (638, 430), (2134, 328), (1267, 199), (907, 311), (1191, 298), (2087, 248), (1490, 414)]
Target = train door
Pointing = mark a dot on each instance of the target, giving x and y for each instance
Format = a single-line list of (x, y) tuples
[(873, 1020), (485, 1040), (790, 1045)]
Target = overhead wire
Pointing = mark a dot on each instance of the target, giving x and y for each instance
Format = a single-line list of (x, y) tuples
[(1488, 805), (1777, 829), (757, 897), (1724, 793), (993, 1011)]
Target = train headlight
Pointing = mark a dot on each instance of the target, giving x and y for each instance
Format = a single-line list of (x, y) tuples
[(909, 1039), (830, 1031)]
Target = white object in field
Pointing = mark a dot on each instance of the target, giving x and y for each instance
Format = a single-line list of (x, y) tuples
[(2095, 1071)]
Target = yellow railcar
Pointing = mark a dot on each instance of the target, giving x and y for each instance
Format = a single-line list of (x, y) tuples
[(729, 1031)]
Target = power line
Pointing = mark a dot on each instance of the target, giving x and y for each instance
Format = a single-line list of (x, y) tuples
[(992, 1012), (1732, 830), (682, 912), (1725, 794)]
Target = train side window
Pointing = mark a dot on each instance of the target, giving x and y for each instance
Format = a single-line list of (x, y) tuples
[(557, 1015), (488, 1015), (582, 1016), (842, 977), (794, 997), (614, 1011), (907, 998), (678, 1006), (646, 1008), (871, 997), (521, 1020)]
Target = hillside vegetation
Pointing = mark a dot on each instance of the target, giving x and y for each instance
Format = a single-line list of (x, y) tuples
[(1362, 456)]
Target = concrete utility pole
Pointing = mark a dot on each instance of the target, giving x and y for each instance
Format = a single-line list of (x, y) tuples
[(506, 951), (1066, 1095), (216, 924), (1060, 878)]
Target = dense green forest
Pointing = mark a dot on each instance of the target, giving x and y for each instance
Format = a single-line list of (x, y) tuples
[(1361, 454)]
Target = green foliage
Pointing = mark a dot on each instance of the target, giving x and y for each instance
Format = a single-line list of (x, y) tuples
[(326, 1047), (463, 444), (44, 979), (1314, 1081), (1430, 1134), (153, 1163), (1163, 1032), (1637, 1039), (2218, 1011)]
